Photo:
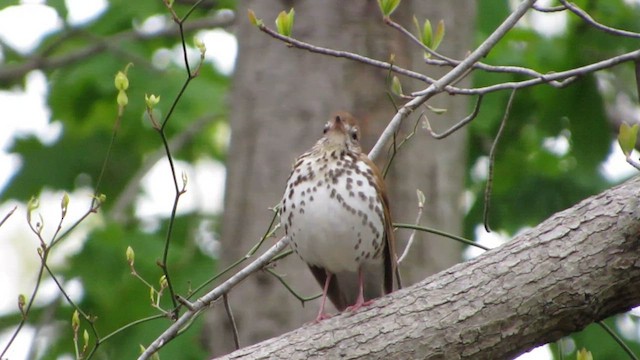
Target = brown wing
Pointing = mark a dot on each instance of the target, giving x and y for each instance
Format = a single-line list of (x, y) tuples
[(390, 257)]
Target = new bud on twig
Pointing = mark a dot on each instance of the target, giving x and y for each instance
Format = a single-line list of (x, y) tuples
[(253, 19), (121, 81), (284, 22), (426, 35), (151, 100), (163, 282), (387, 7), (85, 338), (64, 204), (396, 86), (200, 45), (583, 354), (75, 321), (32, 205), (22, 301), (131, 255)]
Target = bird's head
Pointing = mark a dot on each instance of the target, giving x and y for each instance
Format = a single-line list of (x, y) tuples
[(342, 133)]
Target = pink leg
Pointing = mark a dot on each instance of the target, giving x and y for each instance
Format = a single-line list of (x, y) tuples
[(360, 301), (321, 315)]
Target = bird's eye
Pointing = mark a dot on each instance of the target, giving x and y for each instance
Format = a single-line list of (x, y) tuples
[(354, 134), (326, 128)]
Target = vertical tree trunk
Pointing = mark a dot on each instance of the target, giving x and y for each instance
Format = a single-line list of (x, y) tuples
[(281, 99)]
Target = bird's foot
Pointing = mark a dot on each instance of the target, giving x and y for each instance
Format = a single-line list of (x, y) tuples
[(359, 304), (322, 316)]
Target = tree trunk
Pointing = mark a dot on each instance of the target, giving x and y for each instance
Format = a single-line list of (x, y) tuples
[(579, 266), (281, 99)]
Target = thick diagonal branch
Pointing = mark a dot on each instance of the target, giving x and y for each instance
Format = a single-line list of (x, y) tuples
[(579, 266)]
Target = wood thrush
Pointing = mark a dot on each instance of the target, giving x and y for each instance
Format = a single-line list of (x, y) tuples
[(335, 212)]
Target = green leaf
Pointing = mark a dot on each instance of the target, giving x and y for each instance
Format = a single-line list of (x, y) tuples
[(387, 7), (437, 39), (627, 138), (436, 110), (396, 86), (583, 354), (253, 19), (284, 22), (424, 32)]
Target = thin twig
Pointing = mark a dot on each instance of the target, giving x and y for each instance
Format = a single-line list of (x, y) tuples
[(447, 61), (460, 124), (346, 55), (633, 162), (492, 159), (234, 327), (413, 233), (204, 301), (451, 76), (270, 231), (589, 20), (441, 233), (551, 9), (620, 342), (301, 298), (566, 76), (8, 215)]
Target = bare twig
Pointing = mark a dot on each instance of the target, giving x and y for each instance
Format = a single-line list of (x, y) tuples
[(567, 76), (128, 195), (633, 162), (8, 215), (451, 76), (232, 320), (618, 340), (459, 125), (492, 159), (441, 233), (589, 20), (413, 233), (204, 301), (280, 278), (345, 54), (447, 61), (551, 9)]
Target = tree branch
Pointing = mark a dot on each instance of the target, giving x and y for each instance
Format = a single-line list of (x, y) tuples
[(577, 267), (45, 61), (450, 77), (206, 300)]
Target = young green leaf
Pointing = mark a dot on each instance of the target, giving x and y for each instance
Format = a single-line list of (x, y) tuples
[(387, 7), (253, 19), (426, 36), (436, 110), (583, 354), (284, 22), (396, 86), (627, 138), (437, 38)]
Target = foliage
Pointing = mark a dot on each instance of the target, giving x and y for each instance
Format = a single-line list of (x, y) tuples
[(83, 98), (531, 181)]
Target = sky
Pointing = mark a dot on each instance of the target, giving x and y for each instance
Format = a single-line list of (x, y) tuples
[(24, 112)]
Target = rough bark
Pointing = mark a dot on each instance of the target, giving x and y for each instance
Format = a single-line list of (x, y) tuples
[(281, 99), (579, 266)]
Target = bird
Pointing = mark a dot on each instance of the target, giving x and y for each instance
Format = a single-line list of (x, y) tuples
[(335, 212)]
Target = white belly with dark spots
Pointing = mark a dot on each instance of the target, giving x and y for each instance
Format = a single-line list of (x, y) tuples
[(337, 226)]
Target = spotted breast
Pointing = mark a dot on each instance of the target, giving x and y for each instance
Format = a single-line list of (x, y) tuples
[(335, 213)]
